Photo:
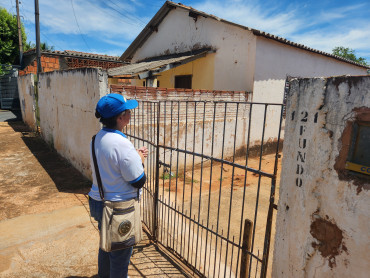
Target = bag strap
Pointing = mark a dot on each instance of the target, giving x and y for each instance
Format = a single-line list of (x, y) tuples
[(98, 178)]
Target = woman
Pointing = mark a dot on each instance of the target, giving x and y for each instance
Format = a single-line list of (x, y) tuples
[(121, 170)]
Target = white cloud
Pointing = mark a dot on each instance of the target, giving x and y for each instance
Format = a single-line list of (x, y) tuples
[(356, 38), (116, 23), (107, 20), (252, 14)]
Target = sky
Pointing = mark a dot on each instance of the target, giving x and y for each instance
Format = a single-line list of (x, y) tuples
[(109, 26)]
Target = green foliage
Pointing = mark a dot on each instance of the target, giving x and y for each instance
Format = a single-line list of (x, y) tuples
[(9, 43), (167, 176), (43, 46), (349, 54), (9, 48)]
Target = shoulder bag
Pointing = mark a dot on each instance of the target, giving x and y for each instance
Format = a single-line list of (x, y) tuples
[(121, 224)]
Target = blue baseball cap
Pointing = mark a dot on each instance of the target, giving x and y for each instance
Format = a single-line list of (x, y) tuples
[(113, 104)]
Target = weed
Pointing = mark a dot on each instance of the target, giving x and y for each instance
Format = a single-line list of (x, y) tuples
[(189, 180), (167, 176)]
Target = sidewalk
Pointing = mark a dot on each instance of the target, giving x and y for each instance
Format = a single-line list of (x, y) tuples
[(10, 115), (45, 228)]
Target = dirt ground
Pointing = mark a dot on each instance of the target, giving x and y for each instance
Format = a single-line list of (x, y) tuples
[(46, 231), (45, 228)]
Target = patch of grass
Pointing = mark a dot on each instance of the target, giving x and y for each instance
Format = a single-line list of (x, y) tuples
[(167, 176), (189, 180)]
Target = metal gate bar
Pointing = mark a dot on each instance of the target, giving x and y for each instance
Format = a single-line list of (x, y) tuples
[(197, 220)]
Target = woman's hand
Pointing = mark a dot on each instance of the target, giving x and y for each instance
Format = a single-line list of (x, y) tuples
[(143, 151)]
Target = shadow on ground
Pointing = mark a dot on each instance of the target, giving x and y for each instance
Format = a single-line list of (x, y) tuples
[(149, 261), (54, 164)]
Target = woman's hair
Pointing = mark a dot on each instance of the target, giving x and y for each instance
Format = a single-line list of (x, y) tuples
[(108, 122)]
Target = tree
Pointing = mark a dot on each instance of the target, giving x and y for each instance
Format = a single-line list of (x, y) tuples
[(9, 43), (349, 54), (43, 46)]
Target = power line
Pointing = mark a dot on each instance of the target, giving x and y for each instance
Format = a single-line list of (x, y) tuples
[(43, 34), (122, 19), (12, 9), (127, 15), (79, 26)]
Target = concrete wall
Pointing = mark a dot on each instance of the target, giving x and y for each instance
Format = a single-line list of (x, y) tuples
[(27, 99), (67, 101), (196, 121), (323, 227), (234, 57)]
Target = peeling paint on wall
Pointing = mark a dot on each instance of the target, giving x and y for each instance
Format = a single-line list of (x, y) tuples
[(358, 114), (323, 223)]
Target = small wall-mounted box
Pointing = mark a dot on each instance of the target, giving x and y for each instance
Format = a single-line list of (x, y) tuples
[(359, 152)]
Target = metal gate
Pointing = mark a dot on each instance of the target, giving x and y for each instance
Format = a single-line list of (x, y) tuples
[(212, 170), (9, 98)]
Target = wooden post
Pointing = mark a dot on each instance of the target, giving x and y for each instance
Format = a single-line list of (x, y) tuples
[(247, 236)]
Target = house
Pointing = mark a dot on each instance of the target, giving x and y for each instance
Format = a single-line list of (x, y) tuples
[(62, 60), (187, 48)]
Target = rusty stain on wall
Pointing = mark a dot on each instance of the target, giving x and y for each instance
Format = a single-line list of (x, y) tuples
[(329, 237)]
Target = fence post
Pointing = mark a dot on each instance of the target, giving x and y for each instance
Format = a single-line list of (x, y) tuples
[(156, 185), (247, 236), (266, 247)]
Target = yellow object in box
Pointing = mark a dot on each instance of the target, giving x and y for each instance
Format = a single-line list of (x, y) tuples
[(358, 168)]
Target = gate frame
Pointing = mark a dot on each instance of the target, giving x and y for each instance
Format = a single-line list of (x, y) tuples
[(154, 231)]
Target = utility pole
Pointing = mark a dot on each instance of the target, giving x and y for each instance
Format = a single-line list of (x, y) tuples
[(19, 35), (39, 68), (37, 25)]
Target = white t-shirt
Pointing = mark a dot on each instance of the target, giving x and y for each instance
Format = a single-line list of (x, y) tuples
[(119, 165)]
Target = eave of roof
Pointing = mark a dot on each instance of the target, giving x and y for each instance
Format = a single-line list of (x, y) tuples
[(75, 54), (169, 5), (156, 65)]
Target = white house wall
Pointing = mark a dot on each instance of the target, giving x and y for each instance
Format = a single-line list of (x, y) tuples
[(67, 101), (275, 61), (235, 47)]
